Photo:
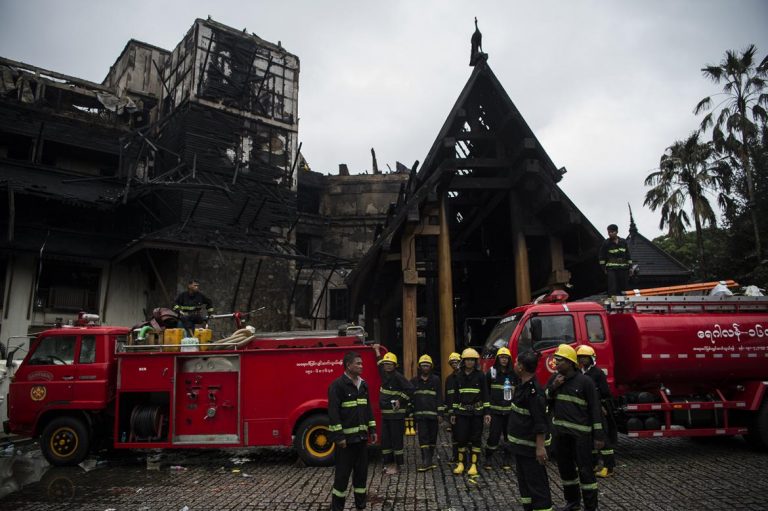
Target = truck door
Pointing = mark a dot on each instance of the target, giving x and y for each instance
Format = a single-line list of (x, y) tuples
[(45, 380), (556, 329), (594, 334)]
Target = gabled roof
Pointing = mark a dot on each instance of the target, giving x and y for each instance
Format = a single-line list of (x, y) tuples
[(653, 261)]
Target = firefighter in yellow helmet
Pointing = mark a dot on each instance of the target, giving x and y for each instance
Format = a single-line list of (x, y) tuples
[(394, 395), (454, 360), (501, 380), (603, 460), (577, 426), (470, 412), (427, 406)]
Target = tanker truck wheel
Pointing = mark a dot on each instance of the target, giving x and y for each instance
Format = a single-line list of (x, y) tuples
[(313, 441), (65, 441), (758, 429)]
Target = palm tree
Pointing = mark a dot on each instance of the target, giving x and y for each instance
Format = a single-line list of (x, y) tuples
[(741, 111), (689, 171)]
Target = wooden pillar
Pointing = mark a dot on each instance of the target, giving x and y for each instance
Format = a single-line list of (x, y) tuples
[(410, 281), (445, 292), (522, 273), (559, 276)]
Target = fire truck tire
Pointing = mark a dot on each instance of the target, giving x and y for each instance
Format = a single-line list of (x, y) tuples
[(65, 441), (758, 430), (313, 442)]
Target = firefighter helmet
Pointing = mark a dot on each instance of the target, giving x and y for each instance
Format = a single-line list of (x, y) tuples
[(389, 357), (504, 351), (567, 352), (585, 351), (469, 353), (425, 359), (454, 356)]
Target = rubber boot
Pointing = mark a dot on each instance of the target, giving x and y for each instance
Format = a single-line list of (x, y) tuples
[(473, 467), (424, 465), (460, 465), (430, 461)]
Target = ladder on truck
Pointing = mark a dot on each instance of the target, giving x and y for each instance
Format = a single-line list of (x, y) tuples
[(669, 300)]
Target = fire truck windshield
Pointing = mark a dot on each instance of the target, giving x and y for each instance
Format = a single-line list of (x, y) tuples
[(501, 334)]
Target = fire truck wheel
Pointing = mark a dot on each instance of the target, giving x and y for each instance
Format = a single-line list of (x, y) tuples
[(313, 442), (65, 441), (758, 430)]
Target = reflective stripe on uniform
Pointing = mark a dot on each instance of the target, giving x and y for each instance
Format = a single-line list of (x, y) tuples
[(606, 452), (337, 493), (426, 392), (572, 425), (431, 414), (362, 401), (590, 486), (517, 409), (360, 490), (571, 399), (334, 427), (349, 404), (501, 408), (469, 390), (525, 500), (520, 441), (571, 482)]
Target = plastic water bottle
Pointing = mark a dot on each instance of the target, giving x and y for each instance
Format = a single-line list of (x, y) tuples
[(507, 389)]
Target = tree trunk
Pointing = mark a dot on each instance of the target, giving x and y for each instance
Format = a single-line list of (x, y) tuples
[(744, 156), (700, 244)]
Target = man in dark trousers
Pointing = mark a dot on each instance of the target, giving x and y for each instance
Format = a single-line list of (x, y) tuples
[(190, 305), (499, 376), (394, 396), (529, 435), (454, 360), (616, 260), (577, 424), (351, 423), (427, 407), (604, 459), (470, 412)]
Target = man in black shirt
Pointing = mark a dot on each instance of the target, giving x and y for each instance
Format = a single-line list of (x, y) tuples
[(577, 424), (529, 435), (192, 306), (615, 260), (351, 423)]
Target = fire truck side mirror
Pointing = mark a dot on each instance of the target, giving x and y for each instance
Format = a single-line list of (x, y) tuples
[(536, 330)]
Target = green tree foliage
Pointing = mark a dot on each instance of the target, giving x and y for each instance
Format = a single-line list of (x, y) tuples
[(737, 117), (689, 173)]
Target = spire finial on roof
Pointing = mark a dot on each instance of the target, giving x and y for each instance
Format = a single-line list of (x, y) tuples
[(632, 226), (477, 54)]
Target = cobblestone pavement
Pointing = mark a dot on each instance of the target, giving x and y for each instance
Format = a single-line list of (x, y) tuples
[(662, 474)]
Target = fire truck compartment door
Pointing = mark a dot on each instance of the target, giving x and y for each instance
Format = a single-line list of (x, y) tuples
[(207, 400)]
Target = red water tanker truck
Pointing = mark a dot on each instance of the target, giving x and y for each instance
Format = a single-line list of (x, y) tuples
[(676, 366), (88, 385)]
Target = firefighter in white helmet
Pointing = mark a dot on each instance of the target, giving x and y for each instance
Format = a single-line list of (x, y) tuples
[(501, 380), (427, 407), (604, 459)]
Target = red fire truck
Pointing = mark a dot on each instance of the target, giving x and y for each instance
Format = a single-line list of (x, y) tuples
[(676, 365), (85, 385)]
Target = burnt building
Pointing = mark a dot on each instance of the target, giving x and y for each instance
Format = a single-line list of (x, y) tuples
[(483, 226), (180, 164)]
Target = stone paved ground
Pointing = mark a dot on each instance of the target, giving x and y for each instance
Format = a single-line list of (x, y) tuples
[(663, 474)]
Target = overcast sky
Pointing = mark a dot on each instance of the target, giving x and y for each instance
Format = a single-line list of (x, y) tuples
[(606, 86)]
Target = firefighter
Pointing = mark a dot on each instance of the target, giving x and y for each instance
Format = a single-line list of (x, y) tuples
[(394, 396), (454, 360), (529, 436), (499, 375), (469, 412), (576, 419), (615, 259), (351, 423), (189, 306), (427, 407), (603, 460)]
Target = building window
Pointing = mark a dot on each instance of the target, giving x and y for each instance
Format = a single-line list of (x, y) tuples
[(69, 287), (339, 304), (303, 300)]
